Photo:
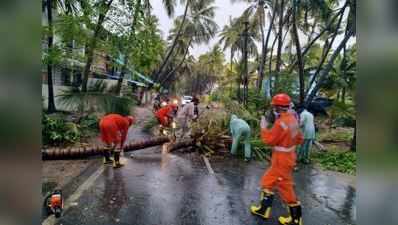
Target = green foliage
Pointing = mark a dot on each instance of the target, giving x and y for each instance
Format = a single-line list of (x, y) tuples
[(336, 135), (56, 131), (148, 46), (259, 149), (149, 124), (287, 83), (344, 162), (234, 107), (90, 122), (257, 103), (89, 125), (99, 98), (342, 114)]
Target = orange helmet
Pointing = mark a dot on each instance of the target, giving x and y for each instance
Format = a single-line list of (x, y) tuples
[(281, 99)]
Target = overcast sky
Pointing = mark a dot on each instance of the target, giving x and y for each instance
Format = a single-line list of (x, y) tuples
[(224, 9)]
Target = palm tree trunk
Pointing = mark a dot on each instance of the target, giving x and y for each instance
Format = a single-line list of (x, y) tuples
[(93, 44), (328, 67), (265, 47), (179, 65), (280, 43), (353, 146), (231, 68), (298, 53), (312, 42), (51, 103), (261, 66), (166, 60), (126, 51), (344, 69), (326, 50), (239, 83), (270, 63)]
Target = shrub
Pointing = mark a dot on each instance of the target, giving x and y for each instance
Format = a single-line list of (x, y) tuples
[(56, 131)]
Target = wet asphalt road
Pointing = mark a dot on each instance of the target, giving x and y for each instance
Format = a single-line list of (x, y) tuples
[(177, 189)]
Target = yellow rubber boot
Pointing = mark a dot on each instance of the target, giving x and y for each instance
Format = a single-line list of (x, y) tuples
[(294, 217), (264, 208)]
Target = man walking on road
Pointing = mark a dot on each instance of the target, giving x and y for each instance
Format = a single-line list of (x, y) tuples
[(308, 128), (283, 137), (114, 129), (184, 116)]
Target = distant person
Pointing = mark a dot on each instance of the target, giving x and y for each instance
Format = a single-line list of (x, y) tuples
[(114, 129), (283, 137), (308, 128), (291, 110), (240, 129), (196, 102), (184, 116)]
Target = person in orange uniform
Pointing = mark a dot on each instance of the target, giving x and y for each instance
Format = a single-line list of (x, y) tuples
[(114, 129), (284, 136), (166, 113)]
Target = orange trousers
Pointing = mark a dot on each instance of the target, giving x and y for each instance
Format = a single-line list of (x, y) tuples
[(280, 176)]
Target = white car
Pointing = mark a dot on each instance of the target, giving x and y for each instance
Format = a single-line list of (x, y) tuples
[(186, 99)]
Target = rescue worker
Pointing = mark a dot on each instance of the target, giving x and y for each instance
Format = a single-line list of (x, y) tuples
[(308, 128), (114, 129), (166, 114), (283, 137), (239, 128)]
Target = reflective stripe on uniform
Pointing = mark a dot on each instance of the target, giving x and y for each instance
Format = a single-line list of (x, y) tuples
[(283, 125), (283, 149)]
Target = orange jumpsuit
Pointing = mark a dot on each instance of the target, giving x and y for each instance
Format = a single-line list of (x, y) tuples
[(113, 129), (163, 114), (283, 137)]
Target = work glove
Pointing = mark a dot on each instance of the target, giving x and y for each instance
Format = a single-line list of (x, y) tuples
[(263, 123)]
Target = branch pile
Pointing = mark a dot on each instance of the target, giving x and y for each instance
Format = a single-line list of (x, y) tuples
[(210, 132)]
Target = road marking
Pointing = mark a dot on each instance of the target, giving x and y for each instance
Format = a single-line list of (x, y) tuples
[(211, 171), (71, 201)]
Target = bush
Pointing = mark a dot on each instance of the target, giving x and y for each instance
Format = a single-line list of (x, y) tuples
[(56, 131), (343, 115), (89, 125), (90, 122)]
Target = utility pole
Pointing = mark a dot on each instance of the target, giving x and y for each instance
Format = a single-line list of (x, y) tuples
[(245, 69)]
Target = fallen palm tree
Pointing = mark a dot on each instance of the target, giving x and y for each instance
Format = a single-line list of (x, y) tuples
[(84, 152)]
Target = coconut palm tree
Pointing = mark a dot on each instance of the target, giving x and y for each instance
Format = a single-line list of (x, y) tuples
[(194, 10), (256, 14), (232, 36), (199, 28)]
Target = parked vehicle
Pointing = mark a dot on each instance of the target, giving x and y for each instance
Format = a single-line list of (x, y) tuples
[(186, 99)]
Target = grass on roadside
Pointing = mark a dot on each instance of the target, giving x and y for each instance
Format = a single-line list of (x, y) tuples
[(336, 135), (344, 162)]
